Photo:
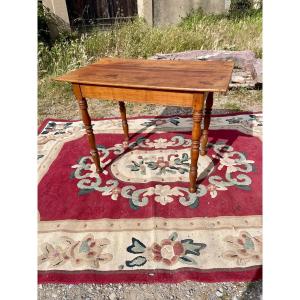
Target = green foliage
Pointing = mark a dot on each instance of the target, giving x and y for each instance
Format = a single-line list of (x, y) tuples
[(43, 30), (232, 106), (63, 56), (139, 40), (240, 6), (45, 20)]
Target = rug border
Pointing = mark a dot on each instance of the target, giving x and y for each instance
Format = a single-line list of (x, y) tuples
[(249, 274), (45, 121), (74, 277)]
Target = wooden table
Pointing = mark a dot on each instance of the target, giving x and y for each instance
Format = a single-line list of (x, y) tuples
[(175, 83)]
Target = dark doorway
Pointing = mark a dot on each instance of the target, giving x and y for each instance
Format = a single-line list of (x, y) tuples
[(87, 14)]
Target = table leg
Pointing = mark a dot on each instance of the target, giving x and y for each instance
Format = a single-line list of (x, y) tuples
[(196, 133), (124, 121), (204, 137), (88, 126)]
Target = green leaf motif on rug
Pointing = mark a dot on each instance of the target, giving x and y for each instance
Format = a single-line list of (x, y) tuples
[(179, 165), (136, 262), (85, 191), (187, 260), (56, 128), (191, 247), (134, 207), (84, 247), (243, 187), (228, 168), (163, 121), (173, 236), (136, 246), (168, 251)]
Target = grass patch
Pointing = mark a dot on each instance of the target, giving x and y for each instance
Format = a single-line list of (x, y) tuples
[(232, 106), (139, 40)]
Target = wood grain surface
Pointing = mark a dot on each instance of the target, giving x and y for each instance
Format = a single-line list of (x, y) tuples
[(145, 96), (185, 76)]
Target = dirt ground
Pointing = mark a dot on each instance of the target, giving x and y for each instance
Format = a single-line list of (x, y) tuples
[(185, 290), (234, 101)]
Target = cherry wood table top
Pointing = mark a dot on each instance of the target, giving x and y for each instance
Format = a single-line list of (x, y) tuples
[(183, 76)]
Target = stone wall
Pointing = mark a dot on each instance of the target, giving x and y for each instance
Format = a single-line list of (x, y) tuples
[(163, 12), (155, 12), (58, 8), (145, 10), (59, 20)]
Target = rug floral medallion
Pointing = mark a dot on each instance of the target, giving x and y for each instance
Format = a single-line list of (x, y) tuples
[(137, 221)]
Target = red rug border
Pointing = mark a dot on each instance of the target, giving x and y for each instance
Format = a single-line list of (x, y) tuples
[(75, 277), (45, 121)]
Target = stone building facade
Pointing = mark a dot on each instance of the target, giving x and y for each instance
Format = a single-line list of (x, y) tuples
[(155, 12)]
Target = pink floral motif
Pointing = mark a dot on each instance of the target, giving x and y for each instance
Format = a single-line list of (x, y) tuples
[(212, 187), (245, 248), (160, 122), (115, 193), (53, 254), (213, 190), (162, 163), (167, 252), (163, 193), (86, 252)]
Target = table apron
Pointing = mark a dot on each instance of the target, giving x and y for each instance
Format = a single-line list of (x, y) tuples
[(184, 99)]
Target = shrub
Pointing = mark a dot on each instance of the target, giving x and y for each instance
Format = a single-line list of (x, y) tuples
[(137, 39), (43, 30), (240, 6)]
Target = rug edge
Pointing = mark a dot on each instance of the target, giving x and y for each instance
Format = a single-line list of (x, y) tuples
[(249, 275), (45, 121)]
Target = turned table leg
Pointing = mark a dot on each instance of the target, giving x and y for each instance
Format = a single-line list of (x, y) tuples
[(124, 121), (196, 133), (204, 137), (88, 126)]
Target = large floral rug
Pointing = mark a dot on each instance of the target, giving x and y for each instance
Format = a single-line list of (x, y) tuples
[(137, 221)]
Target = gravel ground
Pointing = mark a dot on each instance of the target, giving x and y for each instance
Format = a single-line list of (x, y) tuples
[(234, 101), (185, 290)]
